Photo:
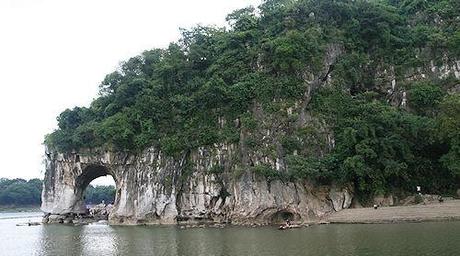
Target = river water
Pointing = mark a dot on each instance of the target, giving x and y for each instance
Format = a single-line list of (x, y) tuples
[(437, 238)]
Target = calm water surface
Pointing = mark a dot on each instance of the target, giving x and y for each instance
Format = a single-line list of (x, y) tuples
[(393, 239)]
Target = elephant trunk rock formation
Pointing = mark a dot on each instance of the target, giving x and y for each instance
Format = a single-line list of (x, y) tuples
[(204, 185)]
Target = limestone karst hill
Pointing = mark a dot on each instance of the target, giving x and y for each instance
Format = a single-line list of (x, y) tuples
[(296, 109)]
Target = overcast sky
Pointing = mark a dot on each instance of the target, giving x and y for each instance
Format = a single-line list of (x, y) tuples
[(54, 54)]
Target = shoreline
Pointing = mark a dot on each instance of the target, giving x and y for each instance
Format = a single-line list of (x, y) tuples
[(10, 209), (435, 212), (396, 221)]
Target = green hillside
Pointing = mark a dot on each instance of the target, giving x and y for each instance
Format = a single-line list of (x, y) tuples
[(351, 92)]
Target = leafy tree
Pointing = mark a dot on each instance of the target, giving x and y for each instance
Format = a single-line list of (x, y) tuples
[(424, 98), (449, 129)]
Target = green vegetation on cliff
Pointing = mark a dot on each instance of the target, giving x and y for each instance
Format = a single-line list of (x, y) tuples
[(216, 84)]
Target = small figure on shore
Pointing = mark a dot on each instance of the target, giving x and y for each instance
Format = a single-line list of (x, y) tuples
[(419, 190), (376, 206)]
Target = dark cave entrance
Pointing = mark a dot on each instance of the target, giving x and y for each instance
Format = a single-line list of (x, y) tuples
[(280, 217)]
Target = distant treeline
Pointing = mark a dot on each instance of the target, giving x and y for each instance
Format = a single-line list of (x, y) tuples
[(20, 192), (97, 194)]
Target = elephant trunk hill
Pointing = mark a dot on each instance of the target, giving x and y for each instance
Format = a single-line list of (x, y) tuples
[(296, 110)]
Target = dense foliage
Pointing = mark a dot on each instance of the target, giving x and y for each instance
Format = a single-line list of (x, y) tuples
[(381, 147), (189, 94)]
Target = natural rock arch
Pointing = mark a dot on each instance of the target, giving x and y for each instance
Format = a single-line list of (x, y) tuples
[(66, 178), (90, 173)]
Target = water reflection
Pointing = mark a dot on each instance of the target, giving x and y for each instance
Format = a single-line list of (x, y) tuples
[(146, 240), (379, 240), (66, 240), (98, 240), (318, 240)]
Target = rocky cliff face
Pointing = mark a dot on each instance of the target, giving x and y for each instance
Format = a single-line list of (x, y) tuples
[(208, 184), (218, 183), (155, 189)]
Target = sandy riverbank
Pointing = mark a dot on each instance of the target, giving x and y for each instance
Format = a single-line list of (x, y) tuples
[(448, 210)]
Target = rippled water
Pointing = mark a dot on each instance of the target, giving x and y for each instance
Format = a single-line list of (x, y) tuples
[(382, 239)]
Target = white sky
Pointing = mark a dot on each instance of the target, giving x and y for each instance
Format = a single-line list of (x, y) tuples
[(54, 54)]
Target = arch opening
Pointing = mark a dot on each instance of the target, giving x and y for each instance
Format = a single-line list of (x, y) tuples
[(100, 190), (91, 173), (95, 191)]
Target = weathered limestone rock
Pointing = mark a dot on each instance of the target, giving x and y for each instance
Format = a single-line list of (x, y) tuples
[(421, 199), (430, 199), (340, 199), (348, 199), (54, 218), (215, 183), (154, 189), (100, 211)]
